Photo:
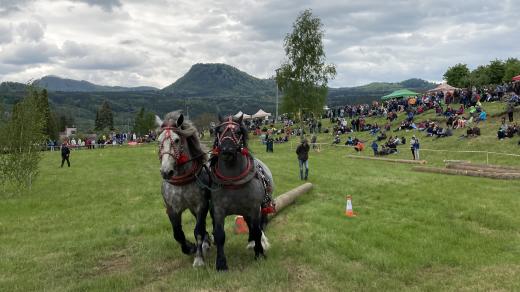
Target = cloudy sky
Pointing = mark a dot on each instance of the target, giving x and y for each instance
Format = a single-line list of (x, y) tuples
[(154, 42)]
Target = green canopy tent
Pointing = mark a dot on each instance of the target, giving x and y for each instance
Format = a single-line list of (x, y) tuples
[(399, 93)]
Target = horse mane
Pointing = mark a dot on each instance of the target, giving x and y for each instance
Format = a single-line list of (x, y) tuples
[(188, 131)]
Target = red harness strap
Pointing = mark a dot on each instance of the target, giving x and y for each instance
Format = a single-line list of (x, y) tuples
[(187, 177)]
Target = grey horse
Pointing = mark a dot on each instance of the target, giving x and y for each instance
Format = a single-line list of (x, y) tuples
[(244, 183), (183, 169)]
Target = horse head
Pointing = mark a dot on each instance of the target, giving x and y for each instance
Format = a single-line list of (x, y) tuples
[(230, 138)]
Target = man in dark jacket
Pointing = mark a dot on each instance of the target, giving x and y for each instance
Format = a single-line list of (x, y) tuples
[(65, 152), (303, 158)]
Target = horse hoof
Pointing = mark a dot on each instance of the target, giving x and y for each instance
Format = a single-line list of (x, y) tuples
[(222, 266), (250, 245), (189, 249), (260, 257), (198, 262)]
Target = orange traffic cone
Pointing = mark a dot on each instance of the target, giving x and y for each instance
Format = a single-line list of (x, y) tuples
[(348, 211), (240, 225)]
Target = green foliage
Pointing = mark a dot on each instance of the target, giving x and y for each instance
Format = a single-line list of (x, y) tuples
[(495, 71), (457, 75), (144, 122), (303, 78), (478, 77), (512, 69), (22, 136), (104, 117)]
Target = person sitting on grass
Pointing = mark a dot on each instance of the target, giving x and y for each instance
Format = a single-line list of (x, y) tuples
[(359, 146), (349, 141), (337, 139), (382, 136), (460, 111), (481, 117)]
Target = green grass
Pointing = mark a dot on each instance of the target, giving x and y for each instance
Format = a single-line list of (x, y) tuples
[(101, 226)]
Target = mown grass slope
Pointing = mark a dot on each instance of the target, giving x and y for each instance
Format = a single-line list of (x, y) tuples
[(101, 226)]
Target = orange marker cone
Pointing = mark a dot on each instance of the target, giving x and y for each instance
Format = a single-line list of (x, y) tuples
[(240, 225), (348, 210)]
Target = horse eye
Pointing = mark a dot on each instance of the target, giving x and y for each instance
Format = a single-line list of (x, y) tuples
[(176, 140)]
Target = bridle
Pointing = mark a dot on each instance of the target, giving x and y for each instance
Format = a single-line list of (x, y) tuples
[(176, 152), (230, 126)]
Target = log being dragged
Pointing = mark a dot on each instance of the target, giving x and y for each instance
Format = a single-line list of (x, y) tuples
[(467, 172), (480, 168), (287, 198), (388, 159)]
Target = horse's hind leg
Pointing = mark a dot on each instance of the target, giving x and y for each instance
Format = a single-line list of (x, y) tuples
[(201, 237), (257, 235), (176, 221)]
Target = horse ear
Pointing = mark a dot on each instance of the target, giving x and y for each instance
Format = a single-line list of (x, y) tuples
[(239, 119), (220, 117), (180, 120), (158, 121)]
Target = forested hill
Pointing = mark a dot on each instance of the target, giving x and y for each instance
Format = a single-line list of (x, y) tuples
[(213, 80), (55, 83)]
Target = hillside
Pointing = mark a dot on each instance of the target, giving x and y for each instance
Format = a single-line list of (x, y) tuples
[(374, 91), (212, 80), (55, 83), (204, 88)]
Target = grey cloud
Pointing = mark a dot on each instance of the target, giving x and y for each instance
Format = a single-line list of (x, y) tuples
[(6, 34), (106, 59), (107, 5), (30, 31), (73, 49), (28, 53)]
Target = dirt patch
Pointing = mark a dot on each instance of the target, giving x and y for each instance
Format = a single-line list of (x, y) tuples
[(303, 277), (116, 263)]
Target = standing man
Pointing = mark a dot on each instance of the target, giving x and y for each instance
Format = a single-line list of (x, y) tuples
[(65, 152), (510, 109), (303, 158), (412, 146)]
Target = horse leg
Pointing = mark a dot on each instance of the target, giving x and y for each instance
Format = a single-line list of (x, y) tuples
[(250, 240), (220, 239), (257, 235), (200, 236), (176, 221)]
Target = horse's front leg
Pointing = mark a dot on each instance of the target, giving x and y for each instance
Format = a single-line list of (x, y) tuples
[(176, 221), (220, 239), (257, 236)]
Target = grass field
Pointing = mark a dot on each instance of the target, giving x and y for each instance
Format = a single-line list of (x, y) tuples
[(101, 226)]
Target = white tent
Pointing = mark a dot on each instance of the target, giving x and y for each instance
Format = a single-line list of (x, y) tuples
[(444, 87), (261, 114), (240, 113)]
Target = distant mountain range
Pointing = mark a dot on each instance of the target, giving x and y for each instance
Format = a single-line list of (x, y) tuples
[(204, 88), (55, 83)]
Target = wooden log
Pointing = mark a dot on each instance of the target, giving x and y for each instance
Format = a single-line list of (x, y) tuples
[(480, 168), (287, 198), (467, 172), (492, 166), (388, 159)]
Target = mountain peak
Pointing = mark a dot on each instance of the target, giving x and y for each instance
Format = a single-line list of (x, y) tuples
[(216, 79)]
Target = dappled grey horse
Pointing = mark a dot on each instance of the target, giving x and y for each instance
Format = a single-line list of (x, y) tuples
[(244, 187), (183, 170)]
